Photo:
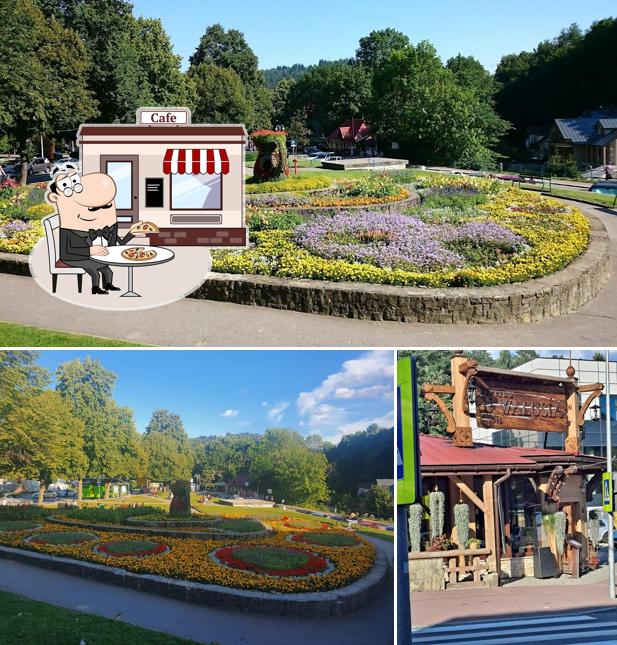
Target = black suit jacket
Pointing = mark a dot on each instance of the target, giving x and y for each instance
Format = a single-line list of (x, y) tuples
[(75, 245)]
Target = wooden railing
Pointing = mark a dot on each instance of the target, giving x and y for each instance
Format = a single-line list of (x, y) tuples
[(456, 561)]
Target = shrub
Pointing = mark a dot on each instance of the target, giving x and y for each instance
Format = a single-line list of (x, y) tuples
[(22, 512), (560, 167), (250, 156)]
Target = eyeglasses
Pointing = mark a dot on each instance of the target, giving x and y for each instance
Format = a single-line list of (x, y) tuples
[(69, 190)]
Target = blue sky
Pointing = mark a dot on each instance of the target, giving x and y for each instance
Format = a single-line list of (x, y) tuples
[(215, 392), (286, 33)]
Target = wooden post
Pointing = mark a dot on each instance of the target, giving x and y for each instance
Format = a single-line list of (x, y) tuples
[(490, 537), (573, 436), (462, 434)]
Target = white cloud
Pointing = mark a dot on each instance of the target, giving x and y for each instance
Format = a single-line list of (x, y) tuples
[(277, 412), (359, 374), (265, 404), (359, 394), (230, 413), (335, 434)]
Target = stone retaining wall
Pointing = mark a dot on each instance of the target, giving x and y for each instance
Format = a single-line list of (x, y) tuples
[(319, 605), (554, 295)]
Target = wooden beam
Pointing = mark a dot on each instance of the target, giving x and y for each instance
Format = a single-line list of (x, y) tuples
[(490, 538), (581, 413), (438, 389), (464, 488)]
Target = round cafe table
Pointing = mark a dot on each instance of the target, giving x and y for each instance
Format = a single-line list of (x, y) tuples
[(115, 259)]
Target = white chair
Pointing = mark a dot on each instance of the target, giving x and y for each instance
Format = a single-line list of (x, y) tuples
[(56, 265)]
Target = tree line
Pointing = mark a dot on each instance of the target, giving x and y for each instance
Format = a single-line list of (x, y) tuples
[(76, 429), (303, 470), (65, 62)]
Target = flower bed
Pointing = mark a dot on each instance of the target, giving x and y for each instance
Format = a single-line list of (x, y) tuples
[(62, 537), (20, 212), (326, 538), (364, 191), (190, 559), (271, 561), (17, 525), (513, 237), (131, 548), (214, 523), (288, 185)]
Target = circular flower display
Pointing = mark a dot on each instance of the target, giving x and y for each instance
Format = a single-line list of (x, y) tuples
[(18, 525), (326, 538), (271, 560), (62, 537), (132, 548)]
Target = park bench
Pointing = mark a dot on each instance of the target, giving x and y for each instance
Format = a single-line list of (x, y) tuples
[(534, 179)]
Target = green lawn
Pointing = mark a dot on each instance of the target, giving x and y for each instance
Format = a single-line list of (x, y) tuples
[(29, 622), (13, 335), (386, 536), (595, 199)]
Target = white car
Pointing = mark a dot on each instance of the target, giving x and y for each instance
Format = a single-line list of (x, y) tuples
[(64, 164)]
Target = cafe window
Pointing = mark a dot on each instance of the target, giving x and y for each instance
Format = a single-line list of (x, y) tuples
[(196, 192)]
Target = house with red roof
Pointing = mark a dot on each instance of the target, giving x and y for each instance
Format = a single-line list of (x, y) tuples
[(353, 138)]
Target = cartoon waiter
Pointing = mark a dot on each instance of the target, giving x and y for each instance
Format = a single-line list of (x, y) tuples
[(88, 225)]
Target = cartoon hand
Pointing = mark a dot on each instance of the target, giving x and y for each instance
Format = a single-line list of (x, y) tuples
[(98, 250)]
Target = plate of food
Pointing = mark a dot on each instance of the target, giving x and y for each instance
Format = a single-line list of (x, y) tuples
[(138, 253), (144, 227)]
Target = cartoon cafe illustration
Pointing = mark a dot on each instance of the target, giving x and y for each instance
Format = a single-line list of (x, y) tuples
[(186, 179)]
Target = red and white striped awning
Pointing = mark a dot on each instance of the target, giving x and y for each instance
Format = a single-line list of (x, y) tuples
[(189, 161)]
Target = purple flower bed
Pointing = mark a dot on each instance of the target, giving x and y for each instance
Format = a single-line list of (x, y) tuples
[(395, 240), (14, 226)]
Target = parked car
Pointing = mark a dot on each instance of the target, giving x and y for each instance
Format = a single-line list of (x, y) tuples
[(320, 156), (64, 164), (39, 166), (9, 171), (605, 186)]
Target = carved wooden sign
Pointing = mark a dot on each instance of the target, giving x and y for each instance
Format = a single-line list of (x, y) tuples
[(518, 402)]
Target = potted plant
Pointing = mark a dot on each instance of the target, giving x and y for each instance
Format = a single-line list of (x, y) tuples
[(415, 526), (437, 513), (441, 543), (473, 543)]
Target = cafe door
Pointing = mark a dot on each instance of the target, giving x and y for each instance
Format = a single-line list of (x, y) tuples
[(124, 169)]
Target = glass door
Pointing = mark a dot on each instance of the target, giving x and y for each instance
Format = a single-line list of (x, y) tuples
[(124, 170)]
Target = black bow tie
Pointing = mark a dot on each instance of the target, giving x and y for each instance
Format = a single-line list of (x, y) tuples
[(94, 233)]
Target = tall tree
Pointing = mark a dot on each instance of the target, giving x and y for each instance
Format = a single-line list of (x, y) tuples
[(229, 50), (20, 377), (88, 387), (376, 48), (170, 425), (165, 463), (41, 439), (219, 95), (42, 77), (282, 461), (419, 104)]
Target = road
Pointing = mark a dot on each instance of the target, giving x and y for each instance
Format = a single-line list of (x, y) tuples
[(563, 629)]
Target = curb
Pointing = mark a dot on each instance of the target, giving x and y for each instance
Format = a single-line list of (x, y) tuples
[(327, 604), (557, 294)]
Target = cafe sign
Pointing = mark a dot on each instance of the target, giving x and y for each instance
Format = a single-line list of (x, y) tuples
[(163, 116), (520, 402)]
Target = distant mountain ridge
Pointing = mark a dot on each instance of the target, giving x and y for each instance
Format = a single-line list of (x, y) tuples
[(274, 75)]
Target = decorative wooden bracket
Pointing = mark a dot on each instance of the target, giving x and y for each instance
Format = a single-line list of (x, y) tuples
[(431, 393), (462, 486), (595, 391)]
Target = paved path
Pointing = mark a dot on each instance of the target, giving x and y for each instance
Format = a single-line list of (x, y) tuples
[(432, 608), (370, 626), (598, 629), (198, 323)]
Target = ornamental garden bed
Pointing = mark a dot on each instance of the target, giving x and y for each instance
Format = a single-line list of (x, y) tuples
[(269, 564), (327, 538)]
